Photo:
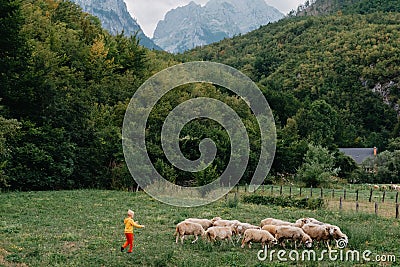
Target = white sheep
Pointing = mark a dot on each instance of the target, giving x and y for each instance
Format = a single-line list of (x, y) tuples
[(310, 220), (318, 232), (219, 233), (258, 236), (292, 233), (336, 233), (270, 228), (325, 232), (242, 227), (221, 222), (273, 221), (302, 221), (205, 223), (188, 228)]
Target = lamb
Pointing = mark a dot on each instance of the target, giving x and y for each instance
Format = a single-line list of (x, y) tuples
[(205, 223), (273, 221), (188, 228), (258, 236), (292, 233), (219, 232)]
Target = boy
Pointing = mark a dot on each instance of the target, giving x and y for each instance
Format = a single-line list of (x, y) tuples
[(130, 224)]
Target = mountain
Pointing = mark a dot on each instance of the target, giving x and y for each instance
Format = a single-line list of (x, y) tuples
[(192, 25), (348, 61), (115, 18)]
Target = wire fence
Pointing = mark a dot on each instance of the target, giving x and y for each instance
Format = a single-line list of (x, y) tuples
[(381, 202)]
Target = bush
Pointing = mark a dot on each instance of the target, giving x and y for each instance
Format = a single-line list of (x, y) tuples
[(303, 203)]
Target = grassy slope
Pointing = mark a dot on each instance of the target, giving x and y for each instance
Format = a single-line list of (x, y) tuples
[(85, 228)]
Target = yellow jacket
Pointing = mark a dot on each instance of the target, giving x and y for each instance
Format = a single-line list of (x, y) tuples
[(130, 224)]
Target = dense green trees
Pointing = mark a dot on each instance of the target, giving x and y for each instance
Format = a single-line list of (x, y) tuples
[(65, 84)]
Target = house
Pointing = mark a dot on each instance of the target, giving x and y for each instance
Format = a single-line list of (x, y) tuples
[(360, 155)]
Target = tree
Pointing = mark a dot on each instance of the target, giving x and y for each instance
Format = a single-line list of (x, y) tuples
[(318, 168), (319, 123), (8, 128)]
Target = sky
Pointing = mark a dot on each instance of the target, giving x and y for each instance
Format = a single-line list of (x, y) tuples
[(149, 12)]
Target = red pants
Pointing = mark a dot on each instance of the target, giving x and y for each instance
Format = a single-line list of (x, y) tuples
[(129, 241)]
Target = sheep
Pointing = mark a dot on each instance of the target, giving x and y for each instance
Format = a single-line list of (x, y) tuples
[(318, 232), (219, 232), (325, 232), (310, 220), (188, 228), (383, 188), (228, 223), (272, 221), (292, 233), (376, 187), (270, 228), (394, 187), (336, 233), (300, 222), (258, 236), (242, 227), (205, 223), (221, 222)]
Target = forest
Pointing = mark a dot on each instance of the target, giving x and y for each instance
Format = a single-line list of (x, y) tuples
[(332, 81)]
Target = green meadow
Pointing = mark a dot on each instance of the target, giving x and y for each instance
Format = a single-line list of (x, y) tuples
[(85, 228)]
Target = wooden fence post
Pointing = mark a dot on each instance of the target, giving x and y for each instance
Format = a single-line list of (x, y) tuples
[(290, 191), (311, 191), (300, 191), (397, 210), (383, 198), (344, 194), (397, 197), (376, 208), (272, 190), (357, 206), (322, 193), (340, 203), (357, 195), (333, 193), (370, 195), (280, 191)]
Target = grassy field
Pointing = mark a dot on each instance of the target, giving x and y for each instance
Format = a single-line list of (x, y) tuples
[(85, 228)]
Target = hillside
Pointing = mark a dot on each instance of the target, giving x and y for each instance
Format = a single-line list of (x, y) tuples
[(326, 7), (194, 25), (349, 61)]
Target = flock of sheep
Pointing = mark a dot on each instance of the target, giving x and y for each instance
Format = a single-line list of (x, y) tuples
[(270, 232), (392, 187)]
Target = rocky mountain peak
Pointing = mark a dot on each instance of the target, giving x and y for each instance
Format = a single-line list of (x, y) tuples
[(192, 25)]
